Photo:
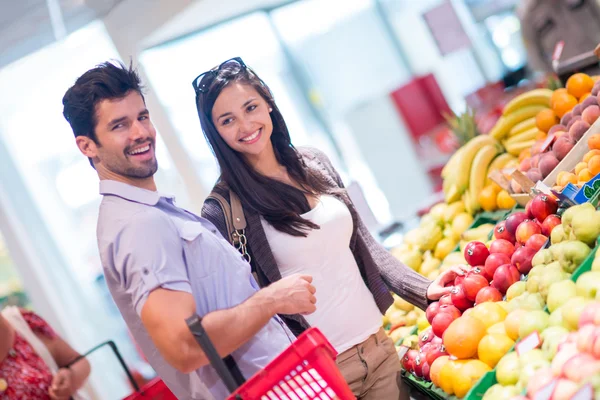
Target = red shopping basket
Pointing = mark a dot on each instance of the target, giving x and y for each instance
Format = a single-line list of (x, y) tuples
[(305, 370)]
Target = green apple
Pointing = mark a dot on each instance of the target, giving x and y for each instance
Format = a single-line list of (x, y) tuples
[(572, 254), (586, 225), (532, 302), (571, 311), (556, 319), (515, 290), (559, 293), (536, 320), (588, 284), (508, 369), (528, 370), (542, 257), (551, 338), (558, 234)]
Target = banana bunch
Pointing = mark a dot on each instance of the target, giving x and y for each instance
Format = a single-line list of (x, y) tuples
[(518, 114), (504, 160)]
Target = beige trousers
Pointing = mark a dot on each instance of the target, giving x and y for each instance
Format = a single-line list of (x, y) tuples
[(372, 369)]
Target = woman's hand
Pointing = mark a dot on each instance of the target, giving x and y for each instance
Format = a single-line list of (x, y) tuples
[(438, 287), (62, 385)]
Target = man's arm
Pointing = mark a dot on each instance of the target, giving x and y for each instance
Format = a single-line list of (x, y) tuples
[(165, 311)]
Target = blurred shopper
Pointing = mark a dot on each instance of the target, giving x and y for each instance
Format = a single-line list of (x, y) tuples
[(301, 220), (544, 23), (33, 359), (164, 264)]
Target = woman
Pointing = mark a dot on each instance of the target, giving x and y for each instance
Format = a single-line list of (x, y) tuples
[(301, 220), (33, 357)]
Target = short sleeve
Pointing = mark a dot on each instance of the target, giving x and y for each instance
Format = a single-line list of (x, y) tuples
[(148, 254), (37, 324)]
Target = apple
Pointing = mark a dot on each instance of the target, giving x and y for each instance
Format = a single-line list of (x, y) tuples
[(514, 220), (505, 276), (538, 380), (536, 242), (476, 253), (493, 262), (589, 313), (435, 352), (564, 390), (522, 258), (528, 209), (542, 206), (488, 293), (441, 322), (425, 336), (459, 298), (418, 366), (580, 367), (408, 361), (585, 338), (458, 280), (432, 311), (526, 229), (425, 368), (502, 246), (472, 284), (549, 223), (445, 300), (500, 232)]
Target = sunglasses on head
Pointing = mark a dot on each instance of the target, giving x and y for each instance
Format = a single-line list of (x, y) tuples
[(202, 81)]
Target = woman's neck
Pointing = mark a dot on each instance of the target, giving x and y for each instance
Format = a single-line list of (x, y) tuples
[(266, 164)]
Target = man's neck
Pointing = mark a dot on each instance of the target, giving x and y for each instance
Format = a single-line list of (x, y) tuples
[(146, 183)]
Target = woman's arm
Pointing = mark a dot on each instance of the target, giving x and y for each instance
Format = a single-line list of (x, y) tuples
[(212, 211)]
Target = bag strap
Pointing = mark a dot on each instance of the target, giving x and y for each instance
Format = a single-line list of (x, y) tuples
[(235, 221)]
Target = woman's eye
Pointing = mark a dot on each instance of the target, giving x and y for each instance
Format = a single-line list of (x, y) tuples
[(251, 108), (226, 121)]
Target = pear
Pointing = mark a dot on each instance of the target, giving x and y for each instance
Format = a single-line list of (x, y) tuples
[(573, 253), (559, 293), (548, 279), (556, 319), (544, 256), (586, 226), (558, 234), (588, 284), (569, 214)]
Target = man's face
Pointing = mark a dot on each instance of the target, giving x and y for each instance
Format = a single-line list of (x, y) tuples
[(126, 140)]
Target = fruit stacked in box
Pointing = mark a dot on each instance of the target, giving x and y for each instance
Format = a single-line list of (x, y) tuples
[(519, 284)]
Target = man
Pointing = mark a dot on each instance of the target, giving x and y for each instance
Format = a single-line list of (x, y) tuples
[(164, 264)]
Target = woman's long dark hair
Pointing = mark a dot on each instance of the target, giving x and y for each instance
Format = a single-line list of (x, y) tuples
[(279, 204)]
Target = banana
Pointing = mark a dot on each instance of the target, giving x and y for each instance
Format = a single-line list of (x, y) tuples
[(497, 164), (507, 122), (522, 126), (451, 165), (523, 136), (517, 147), (478, 173), (458, 176), (533, 97), (477, 233)]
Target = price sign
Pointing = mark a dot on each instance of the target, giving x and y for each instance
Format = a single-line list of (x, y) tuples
[(530, 342), (545, 393), (402, 351), (585, 393)]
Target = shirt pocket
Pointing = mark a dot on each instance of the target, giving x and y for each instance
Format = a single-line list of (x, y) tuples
[(197, 249)]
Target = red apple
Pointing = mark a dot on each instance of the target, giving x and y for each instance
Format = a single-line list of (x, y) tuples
[(502, 246), (542, 206), (473, 284), (459, 298), (549, 223), (505, 276), (458, 280), (426, 369), (488, 293), (493, 262), (528, 209), (522, 258), (434, 352), (500, 232), (449, 309), (425, 336), (445, 300), (527, 229), (432, 311), (476, 253), (418, 366), (536, 242), (514, 220), (441, 322), (408, 361)]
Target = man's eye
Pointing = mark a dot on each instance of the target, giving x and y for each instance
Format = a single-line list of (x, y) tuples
[(143, 118), (117, 126)]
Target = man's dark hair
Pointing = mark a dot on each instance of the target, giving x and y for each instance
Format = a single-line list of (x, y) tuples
[(107, 81)]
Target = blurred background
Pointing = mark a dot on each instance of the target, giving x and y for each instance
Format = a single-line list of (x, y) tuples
[(367, 81)]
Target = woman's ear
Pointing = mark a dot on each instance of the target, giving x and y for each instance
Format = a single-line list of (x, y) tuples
[(270, 109)]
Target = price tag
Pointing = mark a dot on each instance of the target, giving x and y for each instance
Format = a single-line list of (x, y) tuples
[(402, 350), (530, 342), (585, 393), (547, 142), (545, 393), (558, 49)]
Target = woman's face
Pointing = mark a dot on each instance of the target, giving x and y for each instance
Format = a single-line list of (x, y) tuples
[(242, 118)]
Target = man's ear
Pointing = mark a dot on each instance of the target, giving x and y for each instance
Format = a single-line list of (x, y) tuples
[(86, 146)]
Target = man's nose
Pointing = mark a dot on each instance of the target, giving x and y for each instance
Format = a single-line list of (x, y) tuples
[(138, 131)]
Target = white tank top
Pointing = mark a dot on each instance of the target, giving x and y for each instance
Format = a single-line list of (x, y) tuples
[(346, 310)]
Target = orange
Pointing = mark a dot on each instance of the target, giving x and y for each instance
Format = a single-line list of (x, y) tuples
[(585, 96), (487, 198), (584, 175), (588, 156), (504, 201), (546, 119), (594, 165), (563, 104), (493, 347), (579, 84), (541, 135), (556, 94), (565, 177), (594, 142), (512, 323), (470, 373), (580, 166), (489, 313), (462, 337), (436, 368)]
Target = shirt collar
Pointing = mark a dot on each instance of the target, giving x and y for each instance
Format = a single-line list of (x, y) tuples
[(130, 192)]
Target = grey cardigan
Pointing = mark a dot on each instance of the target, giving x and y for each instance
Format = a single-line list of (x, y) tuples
[(379, 269)]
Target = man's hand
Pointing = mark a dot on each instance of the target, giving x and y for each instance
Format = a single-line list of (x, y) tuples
[(438, 287), (293, 295), (62, 385)]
